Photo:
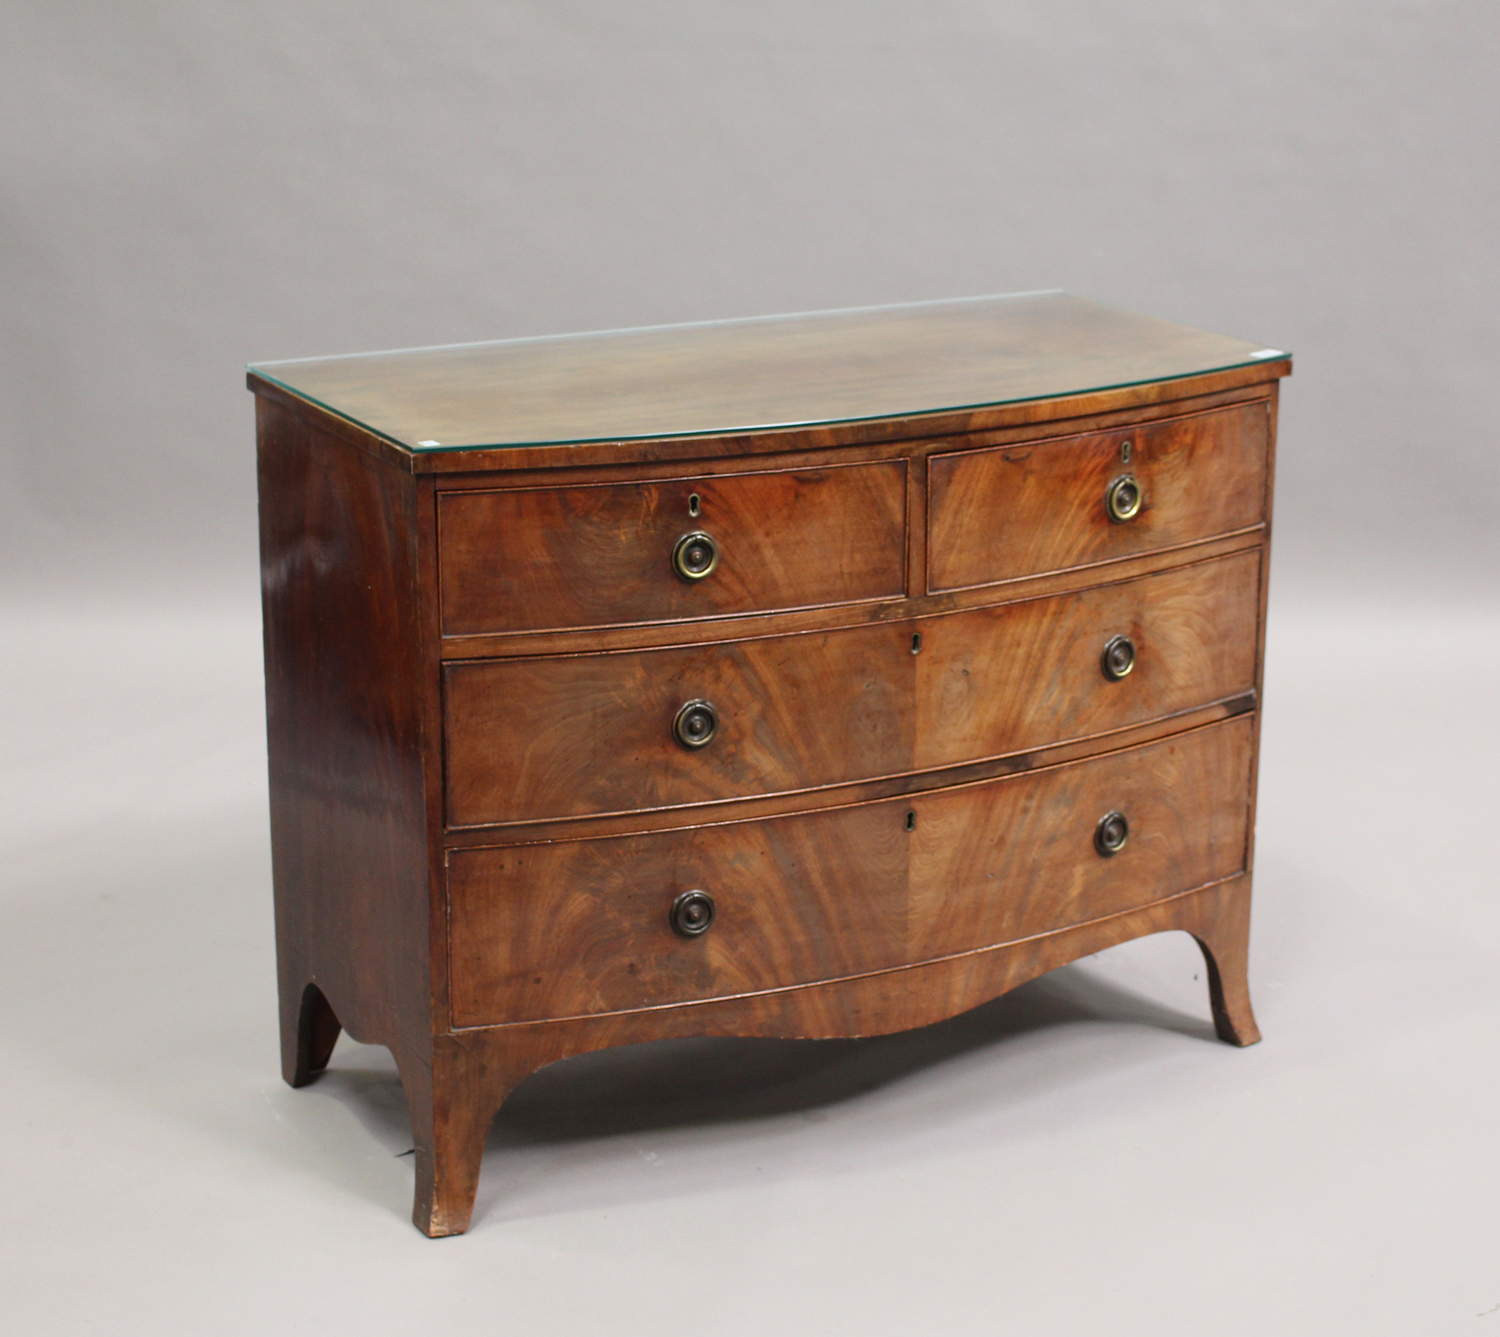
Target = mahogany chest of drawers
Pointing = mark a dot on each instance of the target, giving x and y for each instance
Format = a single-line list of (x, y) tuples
[(815, 676)]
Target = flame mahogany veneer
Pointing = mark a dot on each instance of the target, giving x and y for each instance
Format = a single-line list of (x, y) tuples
[(481, 818)]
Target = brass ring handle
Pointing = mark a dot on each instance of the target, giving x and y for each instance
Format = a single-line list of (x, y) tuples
[(1122, 499), (1118, 657), (696, 724), (692, 914), (695, 555), (1111, 834)]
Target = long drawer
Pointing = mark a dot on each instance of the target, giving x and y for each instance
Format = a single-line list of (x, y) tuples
[(571, 928), (613, 554), (1005, 512), (563, 736)]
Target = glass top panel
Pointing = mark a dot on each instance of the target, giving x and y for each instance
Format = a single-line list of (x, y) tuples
[(744, 375)]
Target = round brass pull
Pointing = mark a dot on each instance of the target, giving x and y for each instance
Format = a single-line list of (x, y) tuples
[(1118, 657), (1111, 834), (695, 555), (696, 724), (692, 914), (1122, 499)]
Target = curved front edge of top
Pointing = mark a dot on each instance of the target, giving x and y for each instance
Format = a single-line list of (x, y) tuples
[(765, 374)]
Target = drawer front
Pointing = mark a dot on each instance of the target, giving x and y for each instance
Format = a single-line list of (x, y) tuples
[(581, 927), (1012, 511), (566, 736), (534, 559)]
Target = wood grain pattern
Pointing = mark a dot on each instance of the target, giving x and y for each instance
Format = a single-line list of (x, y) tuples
[(1011, 511), (539, 558), (732, 376), (1028, 675), (1032, 415), (750, 626), (481, 1067), (344, 701), (571, 928), (569, 736), (866, 791)]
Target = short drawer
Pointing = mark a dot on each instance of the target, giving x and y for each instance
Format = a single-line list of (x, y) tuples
[(1010, 511), (580, 927), (565, 736), (551, 558)]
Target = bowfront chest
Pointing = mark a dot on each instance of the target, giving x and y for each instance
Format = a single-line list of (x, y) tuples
[(817, 676)]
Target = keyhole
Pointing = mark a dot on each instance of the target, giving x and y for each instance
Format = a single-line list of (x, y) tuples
[(911, 821), (916, 643), (695, 504), (1124, 456)]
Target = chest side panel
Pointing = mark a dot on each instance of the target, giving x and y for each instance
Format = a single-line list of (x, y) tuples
[(346, 696)]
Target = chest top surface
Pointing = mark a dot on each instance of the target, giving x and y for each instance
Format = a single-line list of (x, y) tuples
[(748, 375)]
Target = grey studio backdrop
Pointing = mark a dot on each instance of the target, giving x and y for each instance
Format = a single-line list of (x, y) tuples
[(186, 187)]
